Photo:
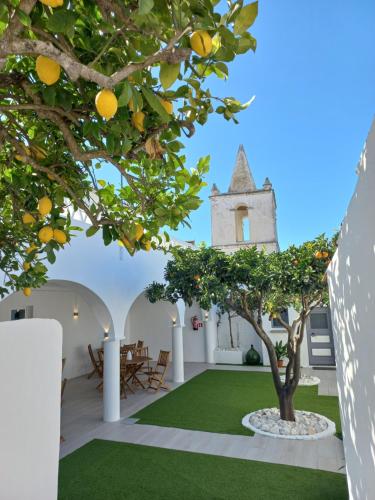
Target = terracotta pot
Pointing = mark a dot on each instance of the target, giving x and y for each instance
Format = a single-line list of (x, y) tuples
[(280, 363)]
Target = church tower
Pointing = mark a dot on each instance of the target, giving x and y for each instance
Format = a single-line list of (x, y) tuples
[(243, 216)]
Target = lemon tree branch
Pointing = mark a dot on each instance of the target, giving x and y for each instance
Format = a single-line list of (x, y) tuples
[(77, 70)]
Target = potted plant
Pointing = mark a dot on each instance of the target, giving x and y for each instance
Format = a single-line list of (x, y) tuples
[(281, 351)]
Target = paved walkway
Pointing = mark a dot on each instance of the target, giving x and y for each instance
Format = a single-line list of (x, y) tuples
[(81, 422)]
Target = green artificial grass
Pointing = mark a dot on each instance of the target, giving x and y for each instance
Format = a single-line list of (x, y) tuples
[(105, 470), (216, 401)]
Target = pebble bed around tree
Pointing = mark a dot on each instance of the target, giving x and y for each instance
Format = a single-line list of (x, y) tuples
[(307, 426), (305, 380)]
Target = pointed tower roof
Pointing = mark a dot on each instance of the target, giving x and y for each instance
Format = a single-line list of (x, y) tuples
[(242, 179)]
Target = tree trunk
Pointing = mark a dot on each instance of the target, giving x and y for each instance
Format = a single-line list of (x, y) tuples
[(286, 404), (230, 330)]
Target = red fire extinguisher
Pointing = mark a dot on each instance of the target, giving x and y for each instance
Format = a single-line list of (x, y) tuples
[(195, 322)]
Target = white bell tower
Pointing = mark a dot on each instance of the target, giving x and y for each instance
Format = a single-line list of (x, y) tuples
[(244, 216)]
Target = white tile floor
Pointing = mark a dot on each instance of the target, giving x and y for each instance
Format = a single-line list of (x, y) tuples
[(82, 422)]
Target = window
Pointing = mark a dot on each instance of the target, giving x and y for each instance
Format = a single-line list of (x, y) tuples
[(319, 321), (284, 316), (242, 224)]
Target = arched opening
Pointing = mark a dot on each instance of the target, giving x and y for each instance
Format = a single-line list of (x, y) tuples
[(83, 315), (151, 323), (242, 224)]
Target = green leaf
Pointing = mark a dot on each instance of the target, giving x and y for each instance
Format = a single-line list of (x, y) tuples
[(49, 95), (51, 257), (221, 70), (168, 74), (125, 95), (91, 231), (245, 18), (155, 103), (62, 21), (107, 235), (24, 18), (145, 6), (245, 43)]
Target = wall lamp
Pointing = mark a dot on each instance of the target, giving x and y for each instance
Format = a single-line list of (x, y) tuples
[(106, 332), (206, 315), (75, 314), (174, 321)]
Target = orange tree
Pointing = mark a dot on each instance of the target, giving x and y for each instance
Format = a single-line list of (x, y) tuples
[(254, 284), (109, 83)]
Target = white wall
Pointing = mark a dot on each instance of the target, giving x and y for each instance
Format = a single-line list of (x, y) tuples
[(277, 334), (194, 340), (55, 303), (352, 293), (243, 334), (151, 323), (30, 384)]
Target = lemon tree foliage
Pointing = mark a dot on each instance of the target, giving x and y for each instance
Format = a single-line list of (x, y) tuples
[(115, 83), (255, 285)]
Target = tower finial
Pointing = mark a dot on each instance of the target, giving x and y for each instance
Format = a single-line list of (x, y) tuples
[(242, 180), (267, 185), (214, 190)]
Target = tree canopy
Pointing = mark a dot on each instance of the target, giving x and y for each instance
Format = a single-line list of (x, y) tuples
[(87, 86)]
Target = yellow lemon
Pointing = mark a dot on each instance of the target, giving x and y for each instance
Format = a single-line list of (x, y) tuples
[(138, 232), (52, 3), (44, 206), (106, 103), (59, 236), (128, 244), (201, 43), (146, 244), (26, 266), (27, 292), (45, 234), (318, 255), (31, 248), (47, 69), (28, 218), (167, 105), (131, 105), (137, 120)]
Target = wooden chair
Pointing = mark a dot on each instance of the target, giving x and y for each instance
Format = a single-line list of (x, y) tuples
[(63, 385), (156, 377), (95, 363), (126, 373), (100, 367), (126, 348)]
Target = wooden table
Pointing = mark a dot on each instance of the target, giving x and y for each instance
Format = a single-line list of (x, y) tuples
[(136, 364)]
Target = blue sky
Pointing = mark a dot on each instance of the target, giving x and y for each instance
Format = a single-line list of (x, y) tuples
[(313, 75)]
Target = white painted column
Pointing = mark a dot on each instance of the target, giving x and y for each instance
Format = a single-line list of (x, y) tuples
[(177, 354), (210, 327), (211, 340), (111, 380)]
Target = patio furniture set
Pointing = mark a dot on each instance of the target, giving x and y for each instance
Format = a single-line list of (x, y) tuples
[(136, 370)]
